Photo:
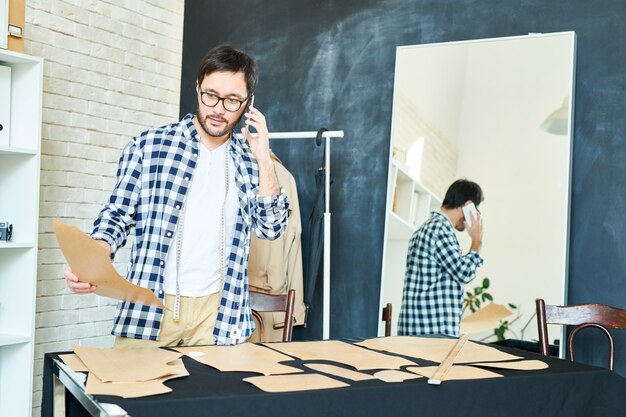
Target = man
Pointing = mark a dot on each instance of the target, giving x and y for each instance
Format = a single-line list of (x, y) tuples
[(437, 270), (193, 193)]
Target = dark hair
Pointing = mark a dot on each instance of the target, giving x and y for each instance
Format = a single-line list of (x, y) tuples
[(226, 58), (460, 191)]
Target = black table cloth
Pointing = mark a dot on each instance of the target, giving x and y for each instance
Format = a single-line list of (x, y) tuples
[(563, 389)]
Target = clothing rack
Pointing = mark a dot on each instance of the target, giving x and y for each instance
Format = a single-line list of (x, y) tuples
[(327, 135)]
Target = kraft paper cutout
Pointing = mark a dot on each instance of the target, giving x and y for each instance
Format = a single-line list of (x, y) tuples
[(96, 386), (525, 365), (245, 357), (395, 376), (339, 371), (337, 351), (455, 372), (435, 349), (128, 365), (74, 362), (90, 263), (290, 383), (485, 319)]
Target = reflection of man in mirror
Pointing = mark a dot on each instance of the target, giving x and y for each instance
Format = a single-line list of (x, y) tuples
[(437, 270)]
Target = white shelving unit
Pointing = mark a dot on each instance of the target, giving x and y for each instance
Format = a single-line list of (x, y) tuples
[(19, 205), (409, 205)]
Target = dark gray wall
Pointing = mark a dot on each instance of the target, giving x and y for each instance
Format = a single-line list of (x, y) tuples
[(331, 64)]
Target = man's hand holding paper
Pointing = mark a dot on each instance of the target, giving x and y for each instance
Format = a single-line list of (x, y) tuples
[(90, 269), (78, 286)]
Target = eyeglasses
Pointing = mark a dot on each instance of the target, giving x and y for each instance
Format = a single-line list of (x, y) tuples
[(229, 103)]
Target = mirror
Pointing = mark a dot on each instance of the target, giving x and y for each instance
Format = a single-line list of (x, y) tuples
[(497, 112)]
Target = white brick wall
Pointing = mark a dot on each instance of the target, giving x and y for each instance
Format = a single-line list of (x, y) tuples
[(439, 158), (112, 69)]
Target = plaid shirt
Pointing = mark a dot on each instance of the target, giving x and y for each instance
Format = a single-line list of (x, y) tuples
[(436, 273), (153, 178)]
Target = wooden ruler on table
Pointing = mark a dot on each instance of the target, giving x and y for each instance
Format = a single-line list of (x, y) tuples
[(445, 365)]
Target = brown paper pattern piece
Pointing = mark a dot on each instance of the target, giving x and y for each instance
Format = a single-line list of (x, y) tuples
[(290, 383), (90, 263), (95, 386), (127, 365), (455, 372), (74, 362), (339, 371), (341, 352), (485, 319), (395, 376), (245, 357), (525, 365), (435, 349)]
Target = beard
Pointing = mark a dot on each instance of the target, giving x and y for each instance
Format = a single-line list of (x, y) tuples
[(211, 131)]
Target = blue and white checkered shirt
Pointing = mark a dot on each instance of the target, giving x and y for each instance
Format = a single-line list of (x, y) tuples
[(153, 178), (436, 273)]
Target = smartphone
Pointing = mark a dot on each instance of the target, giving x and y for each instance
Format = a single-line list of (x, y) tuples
[(250, 104), (468, 210)]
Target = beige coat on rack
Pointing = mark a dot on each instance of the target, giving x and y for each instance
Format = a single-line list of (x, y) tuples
[(275, 266)]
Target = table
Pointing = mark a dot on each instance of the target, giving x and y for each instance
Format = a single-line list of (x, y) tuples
[(564, 389)]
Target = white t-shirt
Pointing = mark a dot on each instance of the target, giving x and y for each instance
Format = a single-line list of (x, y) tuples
[(199, 272)]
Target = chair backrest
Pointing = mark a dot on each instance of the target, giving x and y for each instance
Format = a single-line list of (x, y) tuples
[(261, 303), (600, 316), (386, 317)]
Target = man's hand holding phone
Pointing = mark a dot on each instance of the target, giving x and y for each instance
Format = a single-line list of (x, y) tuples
[(246, 131), (260, 147), (259, 141), (474, 225)]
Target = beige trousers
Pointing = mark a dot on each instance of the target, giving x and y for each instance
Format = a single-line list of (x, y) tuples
[(195, 327)]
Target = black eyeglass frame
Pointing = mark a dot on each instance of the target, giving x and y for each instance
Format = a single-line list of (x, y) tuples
[(223, 100)]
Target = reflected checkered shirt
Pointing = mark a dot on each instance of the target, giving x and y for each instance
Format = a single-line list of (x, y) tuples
[(153, 177), (436, 273)]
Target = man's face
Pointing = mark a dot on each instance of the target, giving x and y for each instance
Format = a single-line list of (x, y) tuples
[(216, 121), (460, 224)]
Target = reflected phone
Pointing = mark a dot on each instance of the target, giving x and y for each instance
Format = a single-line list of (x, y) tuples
[(468, 210)]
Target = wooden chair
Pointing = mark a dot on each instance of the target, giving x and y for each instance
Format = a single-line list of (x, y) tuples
[(600, 316), (386, 317), (261, 303)]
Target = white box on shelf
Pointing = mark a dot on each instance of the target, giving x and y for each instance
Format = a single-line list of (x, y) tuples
[(5, 104)]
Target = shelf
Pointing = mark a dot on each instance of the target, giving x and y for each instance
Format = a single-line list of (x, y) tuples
[(399, 229), (402, 168), (409, 205), (17, 245), (20, 159), (12, 339), (17, 151), (10, 57)]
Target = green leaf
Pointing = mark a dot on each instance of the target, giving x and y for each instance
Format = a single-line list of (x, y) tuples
[(468, 294), (500, 335), (512, 305), (477, 303), (478, 290), (485, 282), (487, 296)]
